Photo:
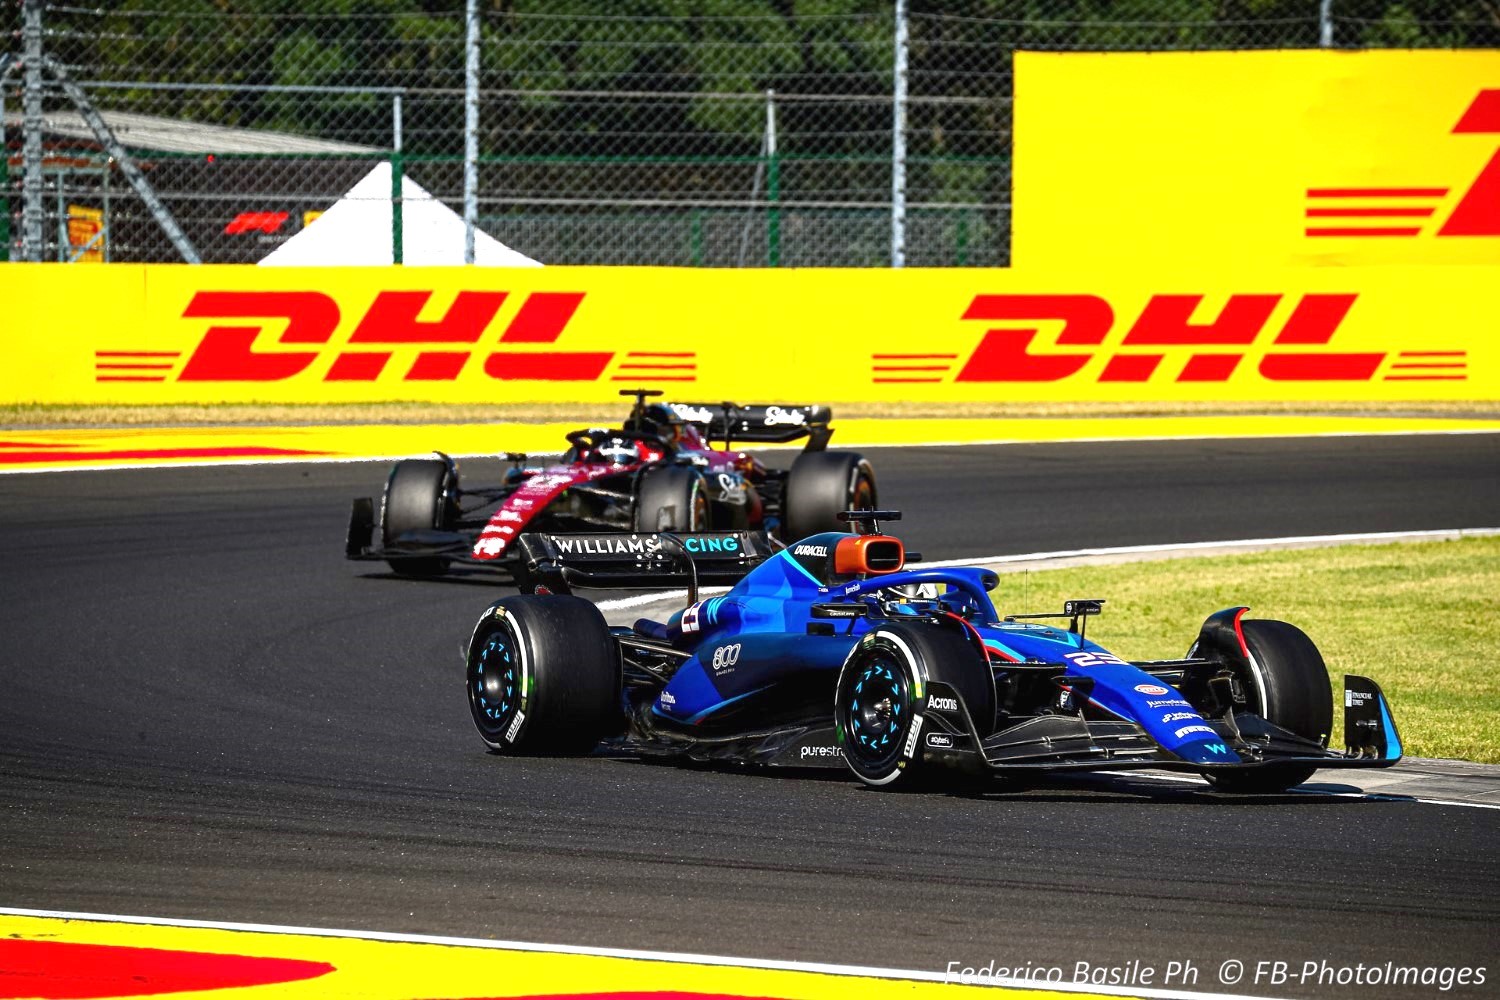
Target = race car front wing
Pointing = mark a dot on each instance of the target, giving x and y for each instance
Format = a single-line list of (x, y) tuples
[(1066, 742)]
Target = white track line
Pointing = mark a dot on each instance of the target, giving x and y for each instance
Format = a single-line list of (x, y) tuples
[(1183, 779), (644, 956)]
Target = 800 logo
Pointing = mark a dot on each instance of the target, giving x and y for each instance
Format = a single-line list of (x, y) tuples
[(725, 657)]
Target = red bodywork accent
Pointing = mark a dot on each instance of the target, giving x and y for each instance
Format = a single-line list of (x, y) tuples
[(531, 499), (546, 485), (1239, 633), (986, 650)]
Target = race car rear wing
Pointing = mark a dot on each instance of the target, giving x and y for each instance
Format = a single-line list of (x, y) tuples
[(606, 561), (764, 422)]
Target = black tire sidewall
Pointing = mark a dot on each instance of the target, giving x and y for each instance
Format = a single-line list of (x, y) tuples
[(1289, 687), (569, 674), (819, 485), (417, 497), (676, 486), (1290, 678)]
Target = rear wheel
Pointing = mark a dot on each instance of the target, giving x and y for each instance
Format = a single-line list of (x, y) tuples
[(543, 676), (1287, 685), (878, 706), (671, 498), (420, 495), (819, 486)]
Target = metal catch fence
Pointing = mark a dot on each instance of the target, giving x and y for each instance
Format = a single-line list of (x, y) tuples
[(678, 132)]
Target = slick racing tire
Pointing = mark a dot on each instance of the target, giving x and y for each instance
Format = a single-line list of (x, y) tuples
[(420, 495), (1288, 686), (878, 709), (819, 486), (543, 676), (671, 498)]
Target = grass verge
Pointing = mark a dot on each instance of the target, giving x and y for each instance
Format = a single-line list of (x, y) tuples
[(18, 415), (1420, 618)]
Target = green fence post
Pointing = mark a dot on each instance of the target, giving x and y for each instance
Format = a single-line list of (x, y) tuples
[(397, 168)]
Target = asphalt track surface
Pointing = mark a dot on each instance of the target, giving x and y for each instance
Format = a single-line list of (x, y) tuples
[(207, 713)]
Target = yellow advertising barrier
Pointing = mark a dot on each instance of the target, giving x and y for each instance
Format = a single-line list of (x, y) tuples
[(1261, 158), (177, 334)]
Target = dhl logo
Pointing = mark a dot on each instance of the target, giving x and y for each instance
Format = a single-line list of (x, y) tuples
[(437, 350), (1214, 350), (1403, 211)]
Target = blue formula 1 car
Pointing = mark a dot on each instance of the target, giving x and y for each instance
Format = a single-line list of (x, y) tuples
[(830, 652)]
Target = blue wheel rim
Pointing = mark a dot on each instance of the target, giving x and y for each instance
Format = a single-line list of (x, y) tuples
[(494, 683), (879, 710)]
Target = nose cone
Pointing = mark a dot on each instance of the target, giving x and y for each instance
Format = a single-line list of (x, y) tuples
[(1208, 752)]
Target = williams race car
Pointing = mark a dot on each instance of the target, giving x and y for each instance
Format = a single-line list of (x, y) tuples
[(658, 472), (831, 652)]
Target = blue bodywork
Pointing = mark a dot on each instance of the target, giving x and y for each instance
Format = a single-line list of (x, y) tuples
[(747, 647), (752, 638)]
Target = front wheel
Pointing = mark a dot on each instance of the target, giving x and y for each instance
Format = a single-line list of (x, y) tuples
[(420, 495), (1287, 685), (878, 703), (543, 675)]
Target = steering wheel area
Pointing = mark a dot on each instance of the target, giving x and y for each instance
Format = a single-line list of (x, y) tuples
[(602, 446)]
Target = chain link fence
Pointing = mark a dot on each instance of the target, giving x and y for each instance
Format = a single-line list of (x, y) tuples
[(675, 132)]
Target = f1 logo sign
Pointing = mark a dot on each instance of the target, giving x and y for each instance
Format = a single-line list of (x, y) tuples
[(229, 353)]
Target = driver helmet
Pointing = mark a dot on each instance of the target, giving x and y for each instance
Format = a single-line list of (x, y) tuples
[(661, 420), (616, 451)]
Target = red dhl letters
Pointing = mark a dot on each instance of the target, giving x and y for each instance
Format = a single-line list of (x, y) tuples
[(1349, 212), (1006, 353), (274, 336), (230, 354)]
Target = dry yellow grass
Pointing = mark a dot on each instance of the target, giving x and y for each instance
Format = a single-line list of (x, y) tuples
[(266, 414)]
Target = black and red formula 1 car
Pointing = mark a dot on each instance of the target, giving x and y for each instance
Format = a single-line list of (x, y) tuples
[(657, 472)]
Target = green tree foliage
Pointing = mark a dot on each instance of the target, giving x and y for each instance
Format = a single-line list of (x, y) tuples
[(556, 72)]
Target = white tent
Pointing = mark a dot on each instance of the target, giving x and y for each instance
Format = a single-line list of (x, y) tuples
[(357, 230)]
